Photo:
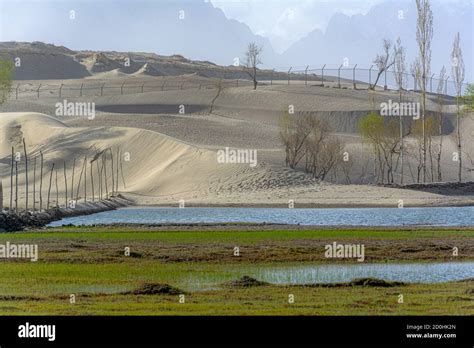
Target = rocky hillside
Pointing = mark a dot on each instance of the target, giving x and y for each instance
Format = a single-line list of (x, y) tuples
[(41, 61)]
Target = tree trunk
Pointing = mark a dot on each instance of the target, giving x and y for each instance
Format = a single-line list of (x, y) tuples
[(85, 179), (104, 164), (79, 183), (113, 175), (57, 189), (16, 186), (34, 185), (26, 174), (41, 182), (117, 173), (401, 143), (458, 123), (92, 183), (11, 182), (49, 188), (72, 181), (65, 185)]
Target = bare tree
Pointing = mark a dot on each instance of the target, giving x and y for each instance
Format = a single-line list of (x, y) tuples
[(383, 61), (26, 173), (458, 72), (440, 102), (104, 166), (92, 182), (252, 61), (49, 187), (11, 181), (72, 179), (294, 132), (65, 184), (16, 186), (383, 136), (400, 68), (34, 184), (424, 35), (41, 181), (85, 179), (57, 188), (80, 179), (112, 170)]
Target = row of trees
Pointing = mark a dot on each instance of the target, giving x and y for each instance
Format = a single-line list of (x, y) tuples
[(420, 69), (93, 169)]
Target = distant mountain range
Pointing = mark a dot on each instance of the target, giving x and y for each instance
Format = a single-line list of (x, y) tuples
[(194, 29), (197, 30), (359, 37)]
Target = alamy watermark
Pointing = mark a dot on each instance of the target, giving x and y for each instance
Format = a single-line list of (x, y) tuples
[(65, 108), (235, 156), (19, 251), (345, 251), (404, 109)]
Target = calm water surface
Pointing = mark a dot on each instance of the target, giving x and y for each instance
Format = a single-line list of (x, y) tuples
[(447, 216)]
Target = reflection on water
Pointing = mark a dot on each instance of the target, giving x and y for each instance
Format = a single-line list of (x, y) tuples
[(447, 216), (408, 273)]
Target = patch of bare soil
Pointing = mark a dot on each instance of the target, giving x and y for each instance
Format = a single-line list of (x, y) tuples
[(245, 282), (154, 289)]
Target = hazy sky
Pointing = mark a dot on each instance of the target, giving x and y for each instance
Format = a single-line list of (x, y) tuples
[(286, 21)]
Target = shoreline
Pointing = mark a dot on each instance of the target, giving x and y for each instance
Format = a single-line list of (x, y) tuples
[(36, 219), (236, 226), (305, 205)]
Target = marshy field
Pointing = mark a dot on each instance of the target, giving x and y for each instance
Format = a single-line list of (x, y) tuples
[(239, 270)]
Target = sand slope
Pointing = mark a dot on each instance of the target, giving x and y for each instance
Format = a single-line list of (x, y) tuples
[(159, 165), (163, 170)]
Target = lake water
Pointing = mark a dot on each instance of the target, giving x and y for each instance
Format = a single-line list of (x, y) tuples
[(440, 216), (314, 274)]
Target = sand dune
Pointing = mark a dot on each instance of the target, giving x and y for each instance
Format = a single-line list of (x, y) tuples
[(163, 170), (159, 165)]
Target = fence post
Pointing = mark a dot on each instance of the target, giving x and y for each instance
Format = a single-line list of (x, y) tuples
[(143, 86), (17, 86), (102, 89), (354, 76), (289, 71), (339, 76), (182, 85), (370, 76), (61, 91), (385, 83), (82, 85), (39, 90), (163, 86), (306, 76), (121, 88), (322, 75)]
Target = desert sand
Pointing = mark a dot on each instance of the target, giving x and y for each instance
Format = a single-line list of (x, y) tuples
[(169, 139)]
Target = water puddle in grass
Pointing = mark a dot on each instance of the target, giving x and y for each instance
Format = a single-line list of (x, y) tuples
[(409, 273)]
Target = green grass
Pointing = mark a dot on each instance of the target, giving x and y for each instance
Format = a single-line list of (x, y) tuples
[(106, 233), (89, 263), (440, 299)]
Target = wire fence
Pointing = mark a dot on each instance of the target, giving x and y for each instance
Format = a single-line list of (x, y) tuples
[(358, 77), (341, 77), (28, 90)]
